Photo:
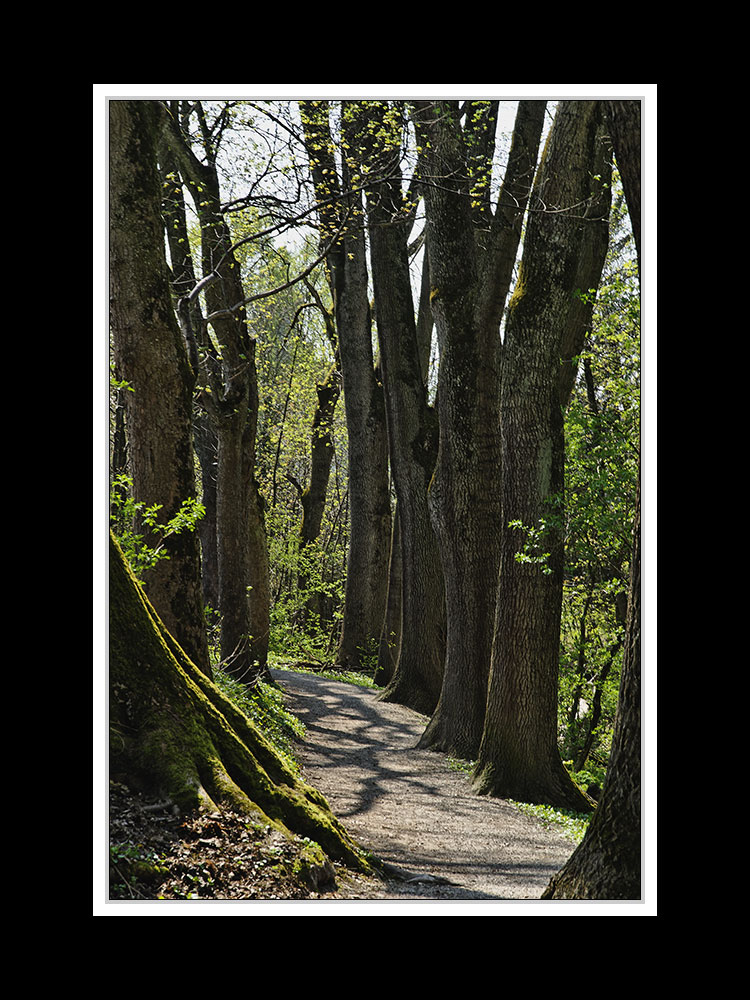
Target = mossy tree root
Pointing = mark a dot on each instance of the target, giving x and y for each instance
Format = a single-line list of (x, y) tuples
[(174, 733)]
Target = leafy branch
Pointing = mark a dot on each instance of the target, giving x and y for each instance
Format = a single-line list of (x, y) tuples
[(126, 512)]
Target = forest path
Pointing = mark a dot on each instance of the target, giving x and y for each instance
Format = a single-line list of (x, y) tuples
[(409, 807)]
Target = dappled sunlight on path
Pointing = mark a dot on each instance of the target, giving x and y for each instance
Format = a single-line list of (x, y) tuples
[(408, 806)]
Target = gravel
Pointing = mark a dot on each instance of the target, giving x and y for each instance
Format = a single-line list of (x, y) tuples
[(410, 807)]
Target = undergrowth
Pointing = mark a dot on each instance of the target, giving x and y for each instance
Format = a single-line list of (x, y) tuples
[(572, 825), (264, 706), (332, 673)]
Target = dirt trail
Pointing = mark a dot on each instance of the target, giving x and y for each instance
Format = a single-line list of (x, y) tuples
[(409, 807)]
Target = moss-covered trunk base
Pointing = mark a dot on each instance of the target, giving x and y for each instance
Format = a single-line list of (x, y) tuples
[(173, 733)]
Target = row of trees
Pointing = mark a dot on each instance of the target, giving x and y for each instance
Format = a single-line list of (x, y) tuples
[(458, 530)]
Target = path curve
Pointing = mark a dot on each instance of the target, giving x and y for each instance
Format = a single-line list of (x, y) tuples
[(409, 807)]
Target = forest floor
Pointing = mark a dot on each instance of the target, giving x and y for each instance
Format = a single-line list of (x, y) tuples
[(409, 808)]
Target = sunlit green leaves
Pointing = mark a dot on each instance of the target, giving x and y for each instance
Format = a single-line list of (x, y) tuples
[(126, 514)]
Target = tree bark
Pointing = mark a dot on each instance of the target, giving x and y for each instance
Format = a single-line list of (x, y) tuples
[(412, 424), (204, 434), (321, 456), (607, 862), (150, 355), (390, 635), (390, 638), (624, 119), (206, 451), (519, 757), (174, 734), (593, 254), (313, 498), (328, 393), (342, 230), (471, 258), (230, 396)]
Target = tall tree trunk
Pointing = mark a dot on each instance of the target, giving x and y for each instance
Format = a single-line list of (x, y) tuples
[(369, 495), (321, 456), (313, 498), (390, 638), (183, 282), (231, 400), (607, 862), (624, 119), (593, 253), (328, 393), (412, 424), (519, 757), (342, 232), (119, 454), (206, 450), (390, 635), (471, 260), (150, 355)]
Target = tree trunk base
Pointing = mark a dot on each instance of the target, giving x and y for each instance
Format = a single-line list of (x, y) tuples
[(173, 733), (605, 865), (449, 739), (400, 692), (551, 786)]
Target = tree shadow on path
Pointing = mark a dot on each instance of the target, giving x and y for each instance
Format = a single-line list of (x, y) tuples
[(408, 806)]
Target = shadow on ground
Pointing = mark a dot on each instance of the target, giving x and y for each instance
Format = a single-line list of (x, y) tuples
[(408, 806)]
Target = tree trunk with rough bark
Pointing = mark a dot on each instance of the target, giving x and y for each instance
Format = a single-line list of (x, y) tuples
[(206, 451), (342, 232), (150, 355), (313, 497), (624, 119), (412, 423), (204, 434), (519, 756), (471, 255), (390, 638), (321, 456), (369, 496), (591, 260), (390, 635), (229, 394)]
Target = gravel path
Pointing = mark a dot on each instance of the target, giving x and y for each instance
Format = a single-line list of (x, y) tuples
[(409, 807)]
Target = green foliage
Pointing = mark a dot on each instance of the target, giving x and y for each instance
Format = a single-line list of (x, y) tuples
[(131, 867), (535, 538), (264, 706), (294, 354), (593, 774), (126, 512), (309, 593), (117, 383), (591, 655), (572, 825), (602, 426)]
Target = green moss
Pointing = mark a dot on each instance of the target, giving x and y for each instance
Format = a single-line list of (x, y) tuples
[(519, 291), (312, 866), (173, 732)]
